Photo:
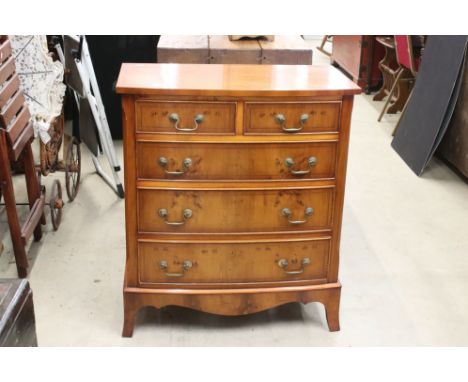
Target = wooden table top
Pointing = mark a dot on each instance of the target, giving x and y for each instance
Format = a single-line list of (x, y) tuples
[(233, 80)]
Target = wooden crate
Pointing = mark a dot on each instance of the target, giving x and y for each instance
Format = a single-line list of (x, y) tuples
[(219, 49)]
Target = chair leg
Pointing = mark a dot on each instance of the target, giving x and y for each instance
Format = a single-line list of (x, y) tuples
[(32, 185), (321, 48), (392, 90)]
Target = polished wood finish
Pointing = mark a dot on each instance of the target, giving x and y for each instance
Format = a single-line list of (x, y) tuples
[(231, 254), (249, 161), (235, 210), (228, 263), (233, 302), (260, 117), (233, 80), (218, 117)]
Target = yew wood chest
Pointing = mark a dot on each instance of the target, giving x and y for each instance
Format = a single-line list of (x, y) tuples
[(235, 179)]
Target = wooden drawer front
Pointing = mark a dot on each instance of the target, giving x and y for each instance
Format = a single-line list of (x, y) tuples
[(232, 262), (214, 211), (264, 118), (207, 161), (217, 117)]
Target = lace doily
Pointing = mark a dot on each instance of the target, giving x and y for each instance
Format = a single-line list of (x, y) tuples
[(41, 81)]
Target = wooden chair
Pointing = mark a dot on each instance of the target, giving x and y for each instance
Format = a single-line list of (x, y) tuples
[(325, 39), (16, 134), (407, 70)]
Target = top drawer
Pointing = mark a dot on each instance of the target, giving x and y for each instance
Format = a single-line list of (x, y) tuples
[(291, 117), (191, 117)]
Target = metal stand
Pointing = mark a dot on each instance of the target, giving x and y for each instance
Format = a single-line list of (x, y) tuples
[(92, 94)]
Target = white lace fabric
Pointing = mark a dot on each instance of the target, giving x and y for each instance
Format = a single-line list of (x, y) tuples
[(41, 81)]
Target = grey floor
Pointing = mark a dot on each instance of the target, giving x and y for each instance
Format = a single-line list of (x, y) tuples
[(404, 263)]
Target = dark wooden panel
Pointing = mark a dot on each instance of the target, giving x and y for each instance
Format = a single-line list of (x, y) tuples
[(17, 321)]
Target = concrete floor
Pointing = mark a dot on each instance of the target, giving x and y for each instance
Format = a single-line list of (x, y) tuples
[(404, 264)]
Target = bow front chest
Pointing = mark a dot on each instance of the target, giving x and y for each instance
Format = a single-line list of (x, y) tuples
[(235, 179)]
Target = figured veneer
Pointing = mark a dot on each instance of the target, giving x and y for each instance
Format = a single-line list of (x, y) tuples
[(264, 161), (186, 117), (218, 263), (235, 210), (242, 211), (291, 117)]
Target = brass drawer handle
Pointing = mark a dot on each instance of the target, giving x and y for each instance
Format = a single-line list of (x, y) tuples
[(281, 119), (187, 214), (283, 263), (287, 213), (186, 265), (186, 164), (312, 161), (174, 118)]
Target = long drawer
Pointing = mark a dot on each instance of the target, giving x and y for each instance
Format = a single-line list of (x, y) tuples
[(175, 117), (233, 262), (291, 118), (235, 210), (222, 161)]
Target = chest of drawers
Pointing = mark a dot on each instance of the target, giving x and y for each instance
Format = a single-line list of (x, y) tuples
[(235, 178)]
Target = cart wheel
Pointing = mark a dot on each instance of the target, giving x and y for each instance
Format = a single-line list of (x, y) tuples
[(56, 204), (39, 181), (73, 169)]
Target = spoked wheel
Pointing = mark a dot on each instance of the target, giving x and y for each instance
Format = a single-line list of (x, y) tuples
[(56, 204), (73, 168)]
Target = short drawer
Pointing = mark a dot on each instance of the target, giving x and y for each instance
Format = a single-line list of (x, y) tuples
[(221, 161), (233, 262), (171, 117), (291, 118), (235, 210)]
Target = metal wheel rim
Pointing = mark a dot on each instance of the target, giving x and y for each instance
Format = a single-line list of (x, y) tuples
[(73, 169), (54, 202)]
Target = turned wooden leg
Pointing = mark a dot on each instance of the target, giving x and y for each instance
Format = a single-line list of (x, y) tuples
[(332, 310), (129, 317)]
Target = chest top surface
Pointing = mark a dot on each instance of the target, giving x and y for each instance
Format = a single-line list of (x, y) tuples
[(233, 80)]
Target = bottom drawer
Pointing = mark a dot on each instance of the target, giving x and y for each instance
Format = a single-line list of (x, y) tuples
[(233, 262)]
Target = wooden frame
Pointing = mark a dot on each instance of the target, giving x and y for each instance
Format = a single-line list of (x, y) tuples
[(16, 134)]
